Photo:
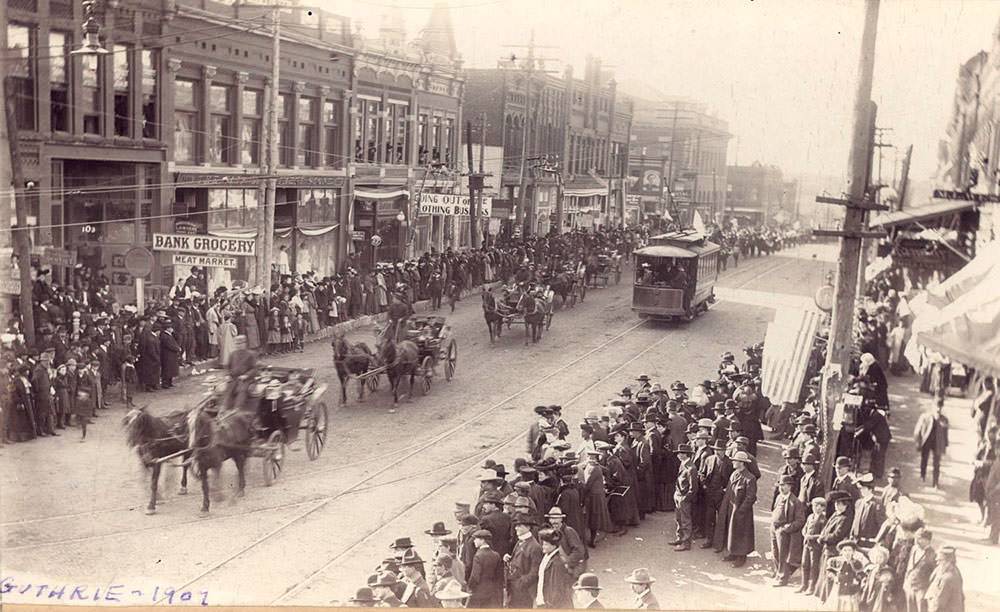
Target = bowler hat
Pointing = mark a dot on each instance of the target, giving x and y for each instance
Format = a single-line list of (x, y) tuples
[(788, 479), (684, 449), (843, 462), (363, 595), (791, 453), (437, 530), (588, 582), (524, 519)]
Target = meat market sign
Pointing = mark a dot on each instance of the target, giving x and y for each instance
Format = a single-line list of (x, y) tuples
[(204, 261), (204, 245), (452, 205)]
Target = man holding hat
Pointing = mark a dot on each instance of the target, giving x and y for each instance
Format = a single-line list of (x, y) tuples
[(945, 592), (642, 584), (586, 591), (684, 493), (788, 516), (522, 564)]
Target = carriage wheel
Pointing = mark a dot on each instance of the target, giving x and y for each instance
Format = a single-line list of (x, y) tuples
[(316, 430), (274, 460), (427, 367), (372, 382), (450, 360)]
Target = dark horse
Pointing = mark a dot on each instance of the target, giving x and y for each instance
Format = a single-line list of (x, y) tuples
[(400, 359), (213, 439), (493, 316), (562, 285), (154, 438), (351, 360), (533, 310)]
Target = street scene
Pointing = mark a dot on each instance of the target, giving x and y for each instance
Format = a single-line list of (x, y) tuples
[(368, 305)]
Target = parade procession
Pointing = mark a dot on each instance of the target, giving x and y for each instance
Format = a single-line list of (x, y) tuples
[(500, 304)]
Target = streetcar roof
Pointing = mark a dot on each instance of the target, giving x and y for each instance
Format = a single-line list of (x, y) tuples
[(665, 250)]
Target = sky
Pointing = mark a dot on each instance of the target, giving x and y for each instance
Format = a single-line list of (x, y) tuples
[(781, 72)]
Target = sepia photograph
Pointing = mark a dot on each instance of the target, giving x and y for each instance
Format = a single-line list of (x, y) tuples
[(627, 304)]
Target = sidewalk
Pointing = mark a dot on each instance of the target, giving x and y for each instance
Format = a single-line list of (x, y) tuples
[(950, 515)]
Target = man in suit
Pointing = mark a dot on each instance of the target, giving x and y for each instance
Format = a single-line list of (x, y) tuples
[(945, 592), (170, 355), (644, 469), (41, 381), (713, 478), (788, 516), (522, 564), (555, 582), (417, 593), (812, 548), (931, 438), (844, 481), (919, 567), (810, 486), (381, 585), (642, 585), (792, 467), (586, 591), (496, 522), (837, 528), (574, 552), (486, 573), (684, 495), (868, 514)]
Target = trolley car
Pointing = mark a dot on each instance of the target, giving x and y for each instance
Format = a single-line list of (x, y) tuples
[(675, 276)]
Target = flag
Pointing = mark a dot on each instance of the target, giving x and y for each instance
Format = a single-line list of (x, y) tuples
[(666, 215), (697, 223)]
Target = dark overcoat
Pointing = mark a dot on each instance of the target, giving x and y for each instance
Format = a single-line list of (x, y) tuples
[(170, 355), (742, 496)]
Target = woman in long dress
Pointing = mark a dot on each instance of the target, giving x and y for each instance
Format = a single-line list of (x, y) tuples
[(227, 334)]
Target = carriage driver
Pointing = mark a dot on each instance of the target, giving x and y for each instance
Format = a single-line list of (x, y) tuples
[(399, 311), (242, 373)]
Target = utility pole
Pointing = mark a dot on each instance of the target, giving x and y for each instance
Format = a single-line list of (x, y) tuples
[(904, 179), (265, 239), (880, 144), (482, 174), (670, 167), (839, 349), (475, 186), (22, 241)]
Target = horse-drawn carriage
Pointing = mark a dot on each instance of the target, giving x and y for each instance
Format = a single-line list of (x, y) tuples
[(606, 266), (414, 345), (255, 415), (522, 305)]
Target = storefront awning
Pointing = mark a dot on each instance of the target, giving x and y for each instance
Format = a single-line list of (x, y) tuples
[(585, 193), (968, 329), (377, 193), (921, 213), (280, 232), (986, 262), (787, 348)]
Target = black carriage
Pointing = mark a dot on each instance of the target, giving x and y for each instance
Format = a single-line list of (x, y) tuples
[(435, 343), (609, 266), (508, 308)]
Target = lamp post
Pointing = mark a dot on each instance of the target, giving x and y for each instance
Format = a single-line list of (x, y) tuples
[(401, 219)]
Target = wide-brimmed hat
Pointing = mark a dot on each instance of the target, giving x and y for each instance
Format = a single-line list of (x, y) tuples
[(705, 422), (437, 530), (684, 449), (402, 543), (640, 576), (452, 590), (643, 378), (791, 453), (383, 579), (588, 582), (363, 595), (742, 456), (555, 512), (524, 519), (410, 557), (487, 475), (717, 445)]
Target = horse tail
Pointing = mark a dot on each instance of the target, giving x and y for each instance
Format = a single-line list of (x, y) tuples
[(192, 423)]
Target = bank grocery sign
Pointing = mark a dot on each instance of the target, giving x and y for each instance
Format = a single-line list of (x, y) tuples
[(205, 245), (452, 205)]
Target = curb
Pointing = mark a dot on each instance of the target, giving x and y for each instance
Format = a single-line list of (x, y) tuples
[(205, 366)]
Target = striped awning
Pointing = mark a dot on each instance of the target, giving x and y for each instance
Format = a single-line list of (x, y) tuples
[(787, 347)]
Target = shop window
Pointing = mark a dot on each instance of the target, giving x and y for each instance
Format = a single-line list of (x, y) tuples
[(121, 63), (251, 128), (423, 157), (90, 66), (318, 207), (232, 208), (21, 56), (221, 135), (402, 142), (371, 118), (150, 77), (389, 132), (286, 148), (359, 136), (185, 121), (331, 134), (306, 149), (59, 90), (436, 140)]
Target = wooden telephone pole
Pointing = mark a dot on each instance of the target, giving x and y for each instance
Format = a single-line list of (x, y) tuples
[(858, 203)]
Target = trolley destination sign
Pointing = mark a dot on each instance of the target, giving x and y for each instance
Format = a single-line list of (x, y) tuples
[(204, 245)]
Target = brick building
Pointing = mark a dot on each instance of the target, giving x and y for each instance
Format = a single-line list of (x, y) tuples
[(571, 134), (166, 132), (759, 194)]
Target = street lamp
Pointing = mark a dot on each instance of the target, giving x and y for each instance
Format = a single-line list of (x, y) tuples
[(400, 219), (91, 44)]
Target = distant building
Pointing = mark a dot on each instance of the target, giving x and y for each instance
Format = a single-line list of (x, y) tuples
[(759, 194), (678, 160)]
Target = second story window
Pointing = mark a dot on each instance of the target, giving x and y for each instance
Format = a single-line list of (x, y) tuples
[(286, 150), (59, 93), (221, 126), (123, 114), (436, 140), (359, 135), (21, 55), (250, 130), (446, 141), (150, 73), (423, 157), (185, 120), (331, 134), (305, 153), (402, 142), (90, 66), (371, 151)]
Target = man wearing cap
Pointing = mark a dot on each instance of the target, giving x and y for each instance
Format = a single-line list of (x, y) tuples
[(869, 514), (493, 519), (684, 494), (642, 584), (586, 591), (417, 593), (555, 581), (713, 478), (945, 592), (739, 528), (788, 516), (522, 564), (810, 485), (791, 468)]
